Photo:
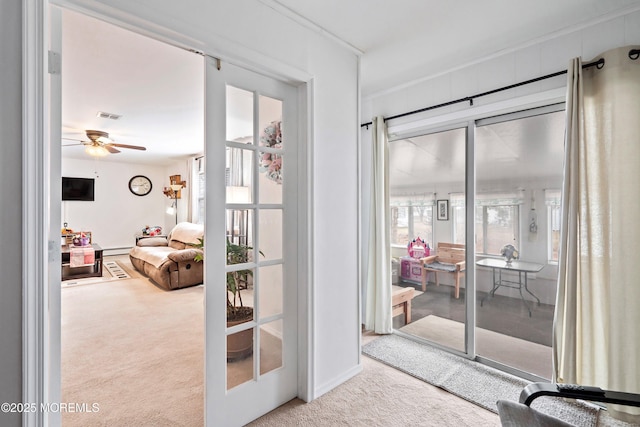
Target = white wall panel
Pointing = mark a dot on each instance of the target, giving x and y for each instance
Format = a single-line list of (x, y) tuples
[(464, 82), (632, 28), (336, 222), (594, 42), (528, 66), (556, 53), (496, 72)]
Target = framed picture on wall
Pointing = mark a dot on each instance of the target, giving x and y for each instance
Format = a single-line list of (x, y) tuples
[(443, 210)]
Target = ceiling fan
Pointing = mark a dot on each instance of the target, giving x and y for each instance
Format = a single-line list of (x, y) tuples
[(100, 144)]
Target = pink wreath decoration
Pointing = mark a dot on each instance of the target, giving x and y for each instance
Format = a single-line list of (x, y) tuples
[(271, 163)]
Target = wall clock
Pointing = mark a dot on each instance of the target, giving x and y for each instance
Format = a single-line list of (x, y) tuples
[(140, 185)]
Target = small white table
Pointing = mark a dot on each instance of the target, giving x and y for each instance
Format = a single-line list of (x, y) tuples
[(523, 268)]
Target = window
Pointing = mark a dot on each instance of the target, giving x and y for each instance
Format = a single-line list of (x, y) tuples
[(400, 225), (554, 217), (198, 189), (411, 219), (495, 227), (422, 222), (497, 218)]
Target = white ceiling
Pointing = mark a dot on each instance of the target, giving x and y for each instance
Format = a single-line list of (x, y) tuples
[(405, 40), (158, 89)]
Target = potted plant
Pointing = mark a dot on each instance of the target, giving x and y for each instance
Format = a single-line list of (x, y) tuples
[(240, 344)]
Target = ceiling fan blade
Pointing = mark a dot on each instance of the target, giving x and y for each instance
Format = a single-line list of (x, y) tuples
[(111, 149), (73, 139), (133, 147), (73, 145)]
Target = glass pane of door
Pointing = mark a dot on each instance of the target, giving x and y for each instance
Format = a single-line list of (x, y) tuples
[(250, 268), (518, 162), (427, 182)]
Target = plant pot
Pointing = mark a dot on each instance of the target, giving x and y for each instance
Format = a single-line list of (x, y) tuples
[(240, 344)]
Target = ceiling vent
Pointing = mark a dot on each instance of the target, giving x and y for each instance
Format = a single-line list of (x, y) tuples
[(103, 115)]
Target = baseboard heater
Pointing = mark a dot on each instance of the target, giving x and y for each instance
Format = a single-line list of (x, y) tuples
[(117, 251)]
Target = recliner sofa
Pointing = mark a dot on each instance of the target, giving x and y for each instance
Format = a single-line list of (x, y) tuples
[(169, 261)]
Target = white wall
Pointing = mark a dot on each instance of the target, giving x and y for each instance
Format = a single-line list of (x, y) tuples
[(536, 59), (116, 215), (253, 31), (335, 202)]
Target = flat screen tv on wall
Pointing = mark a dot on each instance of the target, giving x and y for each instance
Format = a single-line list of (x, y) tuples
[(81, 189)]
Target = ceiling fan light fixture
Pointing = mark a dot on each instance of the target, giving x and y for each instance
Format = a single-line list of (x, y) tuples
[(96, 150), (94, 135)]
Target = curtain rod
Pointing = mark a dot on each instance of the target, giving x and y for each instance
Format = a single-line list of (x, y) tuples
[(599, 64)]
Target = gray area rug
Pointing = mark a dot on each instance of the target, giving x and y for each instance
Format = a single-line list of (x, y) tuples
[(469, 380)]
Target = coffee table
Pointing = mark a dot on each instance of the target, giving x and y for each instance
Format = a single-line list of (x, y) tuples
[(92, 270)]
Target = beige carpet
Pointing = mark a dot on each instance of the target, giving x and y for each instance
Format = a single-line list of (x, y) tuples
[(521, 354), (136, 351), (381, 396)]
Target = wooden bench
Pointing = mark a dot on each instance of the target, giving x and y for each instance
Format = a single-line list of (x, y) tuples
[(449, 258), (401, 302)]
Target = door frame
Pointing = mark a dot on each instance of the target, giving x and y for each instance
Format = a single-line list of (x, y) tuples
[(41, 370)]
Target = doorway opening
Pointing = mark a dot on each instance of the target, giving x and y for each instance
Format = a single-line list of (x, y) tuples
[(128, 346)]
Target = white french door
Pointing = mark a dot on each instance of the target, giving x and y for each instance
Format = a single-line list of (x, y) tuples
[(251, 127)]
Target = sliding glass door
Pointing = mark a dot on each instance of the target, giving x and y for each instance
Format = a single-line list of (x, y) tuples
[(518, 179), (424, 172), (509, 168)]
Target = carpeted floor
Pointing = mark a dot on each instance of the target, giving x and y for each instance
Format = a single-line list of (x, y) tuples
[(381, 396), (135, 350)]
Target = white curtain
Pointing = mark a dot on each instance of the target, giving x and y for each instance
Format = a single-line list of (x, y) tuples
[(378, 292), (596, 331)]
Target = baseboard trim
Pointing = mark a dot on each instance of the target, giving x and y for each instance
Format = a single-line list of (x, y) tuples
[(328, 386), (116, 251)]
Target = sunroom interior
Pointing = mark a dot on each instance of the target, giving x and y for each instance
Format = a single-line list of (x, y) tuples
[(512, 166)]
